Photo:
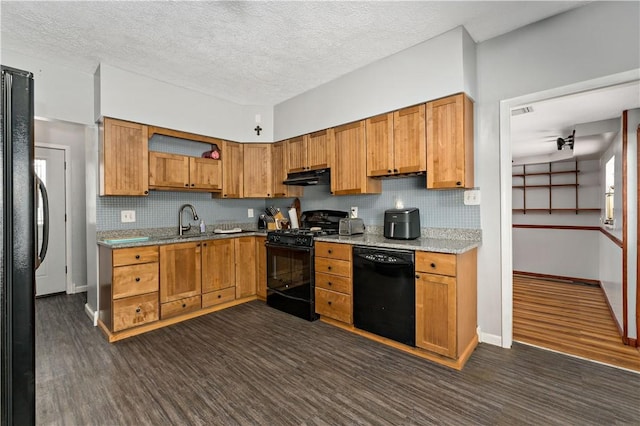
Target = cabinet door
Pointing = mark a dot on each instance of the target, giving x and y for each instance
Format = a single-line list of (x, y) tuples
[(261, 269), (317, 149), (257, 170), (279, 172), (245, 248), (380, 145), (409, 140), (180, 274), (348, 162), (124, 158), (450, 142), (296, 154), (168, 170), (232, 170), (218, 265), (436, 313), (205, 173)]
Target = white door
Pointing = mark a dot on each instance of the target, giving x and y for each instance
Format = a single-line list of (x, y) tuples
[(51, 276)]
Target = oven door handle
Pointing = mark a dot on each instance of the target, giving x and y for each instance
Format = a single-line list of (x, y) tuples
[(292, 248)]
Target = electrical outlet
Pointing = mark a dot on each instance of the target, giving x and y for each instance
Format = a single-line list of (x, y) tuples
[(472, 197), (127, 216), (249, 212), (354, 212)]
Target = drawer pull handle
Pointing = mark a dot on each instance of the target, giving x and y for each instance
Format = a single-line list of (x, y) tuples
[(137, 256), (184, 305), (433, 265), (329, 302), (137, 279), (138, 309)]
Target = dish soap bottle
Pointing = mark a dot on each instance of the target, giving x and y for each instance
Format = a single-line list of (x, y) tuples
[(203, 227)]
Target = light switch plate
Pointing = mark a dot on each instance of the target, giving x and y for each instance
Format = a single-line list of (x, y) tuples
[(127, 216), (249, 212), (472, 197), (354, 211)]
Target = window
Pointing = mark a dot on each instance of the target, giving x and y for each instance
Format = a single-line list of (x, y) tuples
[(609, 190)]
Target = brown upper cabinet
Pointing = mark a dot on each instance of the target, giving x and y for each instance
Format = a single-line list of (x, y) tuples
[(172, 171), (124, 164), (348, 160), (308, 152), (396, 142), (279, 172), (231, 154), (450, 142), (257, 170)]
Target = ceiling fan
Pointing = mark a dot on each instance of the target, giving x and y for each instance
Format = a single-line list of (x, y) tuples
[(567, 142)]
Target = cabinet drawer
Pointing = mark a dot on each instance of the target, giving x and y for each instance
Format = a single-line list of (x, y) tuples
[(436, 263), (333, 251), (179, 307), (331, 266), (135, 255), (334, 305), (133, 311), (333, 282), (217, 297), (135, 279)]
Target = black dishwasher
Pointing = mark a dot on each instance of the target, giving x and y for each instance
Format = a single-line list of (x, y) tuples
[(384, 297)]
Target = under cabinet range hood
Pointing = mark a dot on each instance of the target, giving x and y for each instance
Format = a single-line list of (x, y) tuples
[(310, 177)]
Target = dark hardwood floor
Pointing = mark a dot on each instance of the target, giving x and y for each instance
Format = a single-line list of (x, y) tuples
[(254, 365)]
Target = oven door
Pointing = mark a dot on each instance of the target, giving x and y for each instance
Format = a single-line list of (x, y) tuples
[(290, 280)]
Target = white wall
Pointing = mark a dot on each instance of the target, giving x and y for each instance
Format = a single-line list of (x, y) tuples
[(60, 93), (596, 40), (130, 96), (73, 136), (610, 269), (429, 70)]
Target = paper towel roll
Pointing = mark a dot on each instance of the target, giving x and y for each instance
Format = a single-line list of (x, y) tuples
[(293, 218)]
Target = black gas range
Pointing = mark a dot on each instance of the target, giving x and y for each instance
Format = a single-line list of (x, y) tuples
[(290, 262)]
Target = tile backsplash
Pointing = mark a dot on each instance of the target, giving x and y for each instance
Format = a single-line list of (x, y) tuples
[(438, 209)]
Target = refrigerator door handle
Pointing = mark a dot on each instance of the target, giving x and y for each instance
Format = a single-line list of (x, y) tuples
[(45, 226)]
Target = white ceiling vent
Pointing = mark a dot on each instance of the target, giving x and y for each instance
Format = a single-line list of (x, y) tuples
[(520, 111)]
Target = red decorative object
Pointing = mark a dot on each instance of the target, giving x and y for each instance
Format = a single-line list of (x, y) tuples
[(214, 153)]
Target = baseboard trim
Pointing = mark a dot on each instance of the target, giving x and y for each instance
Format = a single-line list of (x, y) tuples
[(492, 339), (79, 289), (559, 278), (93, 315)]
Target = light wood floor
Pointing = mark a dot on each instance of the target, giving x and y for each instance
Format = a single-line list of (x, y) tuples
[(569, 318)]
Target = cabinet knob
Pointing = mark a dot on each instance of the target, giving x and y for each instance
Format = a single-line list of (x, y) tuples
[(329, 267), (224, 195), (417, 277), (186, 184), (330, 251), (138, 310), (329, 283), (146, 192), (137, 256), (458, 183), (268, 195), (433, 265), (388, 170), (137, 279), (329, 302), (219, 296), (204, 244), (184, 305), (395, 170), (193, 184)]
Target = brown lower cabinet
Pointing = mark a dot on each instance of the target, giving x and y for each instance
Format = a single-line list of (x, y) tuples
[(142, 285), (446, 302), (333, 281)]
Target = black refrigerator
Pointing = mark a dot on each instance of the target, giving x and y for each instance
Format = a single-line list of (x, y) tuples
[(20, 254)]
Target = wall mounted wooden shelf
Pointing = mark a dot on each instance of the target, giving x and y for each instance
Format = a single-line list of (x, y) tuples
[(549, 186)]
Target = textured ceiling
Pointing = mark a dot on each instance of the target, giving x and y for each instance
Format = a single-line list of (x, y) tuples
[(258, 53)]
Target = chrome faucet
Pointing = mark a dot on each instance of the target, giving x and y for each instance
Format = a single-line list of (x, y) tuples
[(182, 228)]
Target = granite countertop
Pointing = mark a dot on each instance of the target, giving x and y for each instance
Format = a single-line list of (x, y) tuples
[(439, 245), (432, 239), (132, 238)]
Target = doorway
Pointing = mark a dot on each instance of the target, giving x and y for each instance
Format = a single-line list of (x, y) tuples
[(50, 166), (511, 282)]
